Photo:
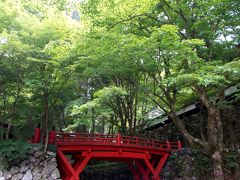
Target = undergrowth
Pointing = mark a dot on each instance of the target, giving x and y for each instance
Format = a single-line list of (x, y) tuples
[(12, 151)]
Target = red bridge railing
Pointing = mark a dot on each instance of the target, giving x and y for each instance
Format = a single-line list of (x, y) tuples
[(145, 157), (63, 138), (115, 140)]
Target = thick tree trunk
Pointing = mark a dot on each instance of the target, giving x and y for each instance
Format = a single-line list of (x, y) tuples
[(217, 165), (214, 130), (215, 141), (180, 125)]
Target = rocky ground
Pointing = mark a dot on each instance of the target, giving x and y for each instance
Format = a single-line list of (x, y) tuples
[(37, 166)]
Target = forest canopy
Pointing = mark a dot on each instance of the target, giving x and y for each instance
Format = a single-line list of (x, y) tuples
[(100, 66)]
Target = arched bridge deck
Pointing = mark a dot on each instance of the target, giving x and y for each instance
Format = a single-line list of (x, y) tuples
[(145, 157)]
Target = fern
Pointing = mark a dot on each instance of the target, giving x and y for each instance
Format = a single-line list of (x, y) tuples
[(11, 151)]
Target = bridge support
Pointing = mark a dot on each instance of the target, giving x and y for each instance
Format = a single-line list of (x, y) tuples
[(145, 157), (157, 170), (149, 169), (142, 165), (136, 175), (71, 172)]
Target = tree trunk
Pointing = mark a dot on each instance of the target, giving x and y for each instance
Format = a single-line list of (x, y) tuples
[(13, 111), (93, 121), (135, 114), (46, 115), (215, 138), (217, 165), (11, 119), (103, 126), (8, 129), (4, 112), (181, 126), (215, 141), (1, 130), (62, 123), (214, 130)]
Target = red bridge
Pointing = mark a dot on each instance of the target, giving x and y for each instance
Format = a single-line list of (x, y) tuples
[(145, 157)]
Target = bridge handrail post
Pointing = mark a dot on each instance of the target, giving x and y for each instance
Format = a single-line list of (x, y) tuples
[(168, 144), (37, 135), (137, 140), (118, 140), (52, 136)]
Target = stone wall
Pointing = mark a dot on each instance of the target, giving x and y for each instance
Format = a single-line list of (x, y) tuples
[(180, 166), (196, 124), (190, 164), (36, 166)]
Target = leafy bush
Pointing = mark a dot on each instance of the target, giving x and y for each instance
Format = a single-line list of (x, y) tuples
[(232, 160), (52, 148), (201, 165), (202, 162), (11, 151)]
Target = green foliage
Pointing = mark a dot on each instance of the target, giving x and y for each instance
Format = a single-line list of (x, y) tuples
[(11, 150), (108, 93), (36, 42), (190, 159), (202, 160), (121, 59), (101, 97), (82, 112), (232, 160), (52, 148)]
